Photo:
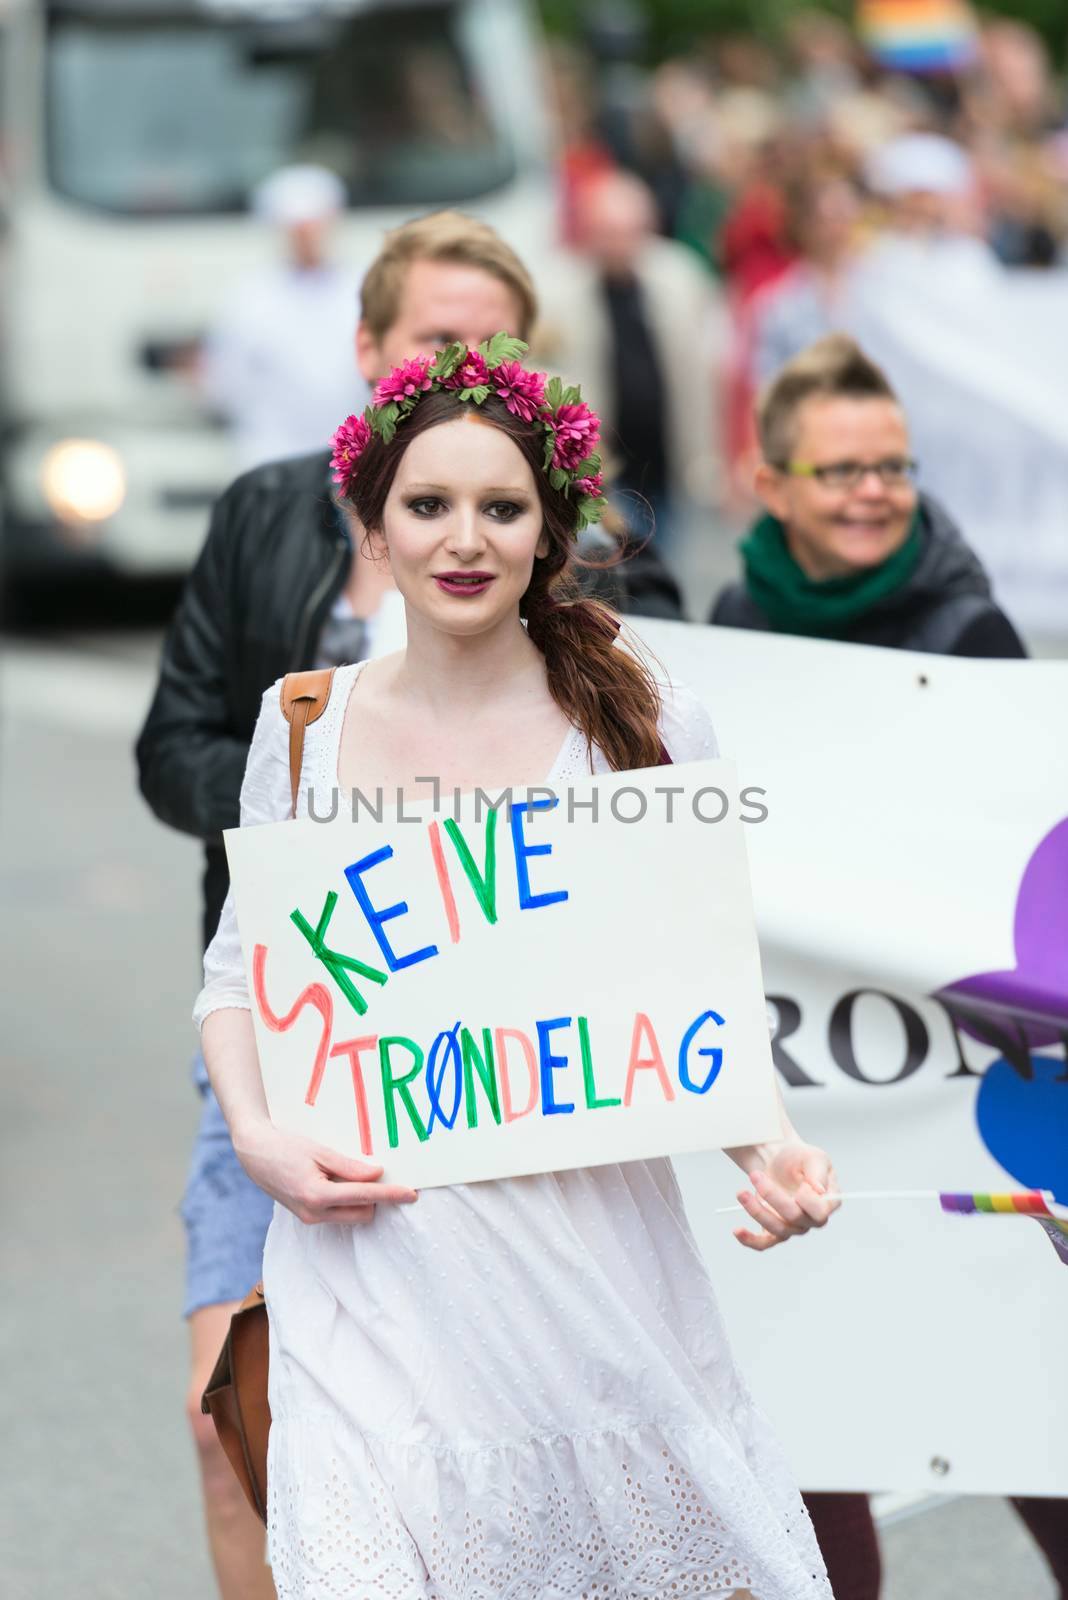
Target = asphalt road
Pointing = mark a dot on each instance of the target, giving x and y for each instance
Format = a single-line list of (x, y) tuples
[(98, 1497)]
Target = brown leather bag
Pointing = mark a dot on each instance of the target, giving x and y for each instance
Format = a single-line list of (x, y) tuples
[(236, 1395)]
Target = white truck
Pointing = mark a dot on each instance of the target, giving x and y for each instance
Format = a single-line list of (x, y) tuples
[(132, 134)]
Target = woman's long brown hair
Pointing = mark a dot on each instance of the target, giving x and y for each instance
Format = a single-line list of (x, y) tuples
[(605, 691)]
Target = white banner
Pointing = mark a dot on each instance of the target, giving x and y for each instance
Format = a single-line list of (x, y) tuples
[(560, 981), (978, 354), (911, 886)]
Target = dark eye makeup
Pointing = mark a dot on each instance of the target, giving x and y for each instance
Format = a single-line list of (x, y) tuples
[(427, 505)]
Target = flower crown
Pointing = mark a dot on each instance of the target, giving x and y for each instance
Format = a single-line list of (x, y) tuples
[(572, 431)]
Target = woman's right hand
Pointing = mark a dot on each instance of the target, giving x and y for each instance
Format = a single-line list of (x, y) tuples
[(315, 1183)]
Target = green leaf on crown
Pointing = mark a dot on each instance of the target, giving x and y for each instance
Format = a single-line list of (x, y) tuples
[(559, 478), (502, 347), (590, 467), (550, 446), (477, 394), (384, 421), (554, 393), (572, 396), (446, 361)]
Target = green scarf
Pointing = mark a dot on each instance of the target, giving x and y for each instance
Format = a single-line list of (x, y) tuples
[(794, 603)]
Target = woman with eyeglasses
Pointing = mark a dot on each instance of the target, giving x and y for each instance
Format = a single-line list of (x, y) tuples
[(847, 548)]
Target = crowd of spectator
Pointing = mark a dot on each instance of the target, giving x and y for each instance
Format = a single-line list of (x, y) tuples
[(822, 189)]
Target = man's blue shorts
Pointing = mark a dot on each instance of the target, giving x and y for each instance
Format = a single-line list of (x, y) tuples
[(226, 1216)]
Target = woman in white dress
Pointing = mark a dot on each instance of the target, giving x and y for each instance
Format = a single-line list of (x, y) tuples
[(522, 1389)]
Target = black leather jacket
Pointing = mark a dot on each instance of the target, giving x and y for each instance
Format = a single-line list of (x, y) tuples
[(276, 557)]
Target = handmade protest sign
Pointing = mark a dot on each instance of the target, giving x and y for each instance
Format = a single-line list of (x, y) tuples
[(566, 979)]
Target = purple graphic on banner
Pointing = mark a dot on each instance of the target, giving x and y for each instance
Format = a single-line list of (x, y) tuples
[(1022, 1103)]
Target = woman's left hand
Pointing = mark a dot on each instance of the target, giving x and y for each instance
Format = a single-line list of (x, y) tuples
[(797, 1190)]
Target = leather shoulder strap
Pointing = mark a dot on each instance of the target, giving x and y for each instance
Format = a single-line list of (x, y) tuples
[(304, 698)]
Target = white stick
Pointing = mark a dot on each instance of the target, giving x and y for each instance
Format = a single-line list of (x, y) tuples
[(860, 1194)]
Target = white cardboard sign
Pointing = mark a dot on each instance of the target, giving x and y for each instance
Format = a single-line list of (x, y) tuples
[(482, 993)]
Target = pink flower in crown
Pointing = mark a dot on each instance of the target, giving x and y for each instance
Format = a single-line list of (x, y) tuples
[(411, 377), (523, 392), (471, 372), (577, 431), (592, 486), (349, 442)]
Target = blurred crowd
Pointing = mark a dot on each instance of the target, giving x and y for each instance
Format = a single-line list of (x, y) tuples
[(829, 184), (717, 214)]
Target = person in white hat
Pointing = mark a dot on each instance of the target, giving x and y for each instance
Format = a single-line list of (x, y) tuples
[(927, 182), (278, 363)]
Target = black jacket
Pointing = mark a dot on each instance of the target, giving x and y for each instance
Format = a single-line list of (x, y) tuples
[(276, 557), (945, 609)]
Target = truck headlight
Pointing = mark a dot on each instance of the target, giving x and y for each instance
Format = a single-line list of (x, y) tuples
[(83, 480)]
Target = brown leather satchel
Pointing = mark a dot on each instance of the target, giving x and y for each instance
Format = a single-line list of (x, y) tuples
[(236, 1398), (236, 1395)]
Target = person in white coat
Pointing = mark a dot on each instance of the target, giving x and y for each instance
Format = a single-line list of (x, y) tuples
[(278, 363)]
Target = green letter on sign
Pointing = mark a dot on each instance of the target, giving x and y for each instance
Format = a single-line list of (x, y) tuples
[(483, 1065), (392, 1086)]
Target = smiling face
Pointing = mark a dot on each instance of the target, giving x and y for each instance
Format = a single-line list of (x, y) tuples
[(834, 532), (442, 302), (461, 526)]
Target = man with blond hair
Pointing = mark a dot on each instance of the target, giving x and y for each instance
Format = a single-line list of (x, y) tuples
[(284, 583)]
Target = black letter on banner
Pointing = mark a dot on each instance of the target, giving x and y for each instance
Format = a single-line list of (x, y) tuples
[(1003, 1034), (840, 1037), (963, 1070), (787, 1022)]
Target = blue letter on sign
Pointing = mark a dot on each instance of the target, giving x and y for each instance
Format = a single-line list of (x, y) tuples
[(528, 901), (705, 1050), (376, 919), (550, 1064)]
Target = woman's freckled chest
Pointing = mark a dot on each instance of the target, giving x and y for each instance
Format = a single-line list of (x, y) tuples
[(499, 746)]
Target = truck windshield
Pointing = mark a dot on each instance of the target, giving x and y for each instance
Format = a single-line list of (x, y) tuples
[(164, 115)]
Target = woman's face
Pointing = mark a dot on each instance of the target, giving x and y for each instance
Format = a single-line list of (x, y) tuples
[(462, 525)]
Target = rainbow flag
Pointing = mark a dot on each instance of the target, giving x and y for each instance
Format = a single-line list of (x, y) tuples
[(919, 36), (1037, 1203)]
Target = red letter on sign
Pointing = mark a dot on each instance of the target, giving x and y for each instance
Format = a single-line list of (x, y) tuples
[(640, 1063), (352, 1048), (317, 995)]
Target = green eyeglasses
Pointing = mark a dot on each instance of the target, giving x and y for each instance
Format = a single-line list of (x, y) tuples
[(893, 472)]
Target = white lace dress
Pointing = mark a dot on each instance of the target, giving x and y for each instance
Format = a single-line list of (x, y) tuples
[(516, 1390)]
